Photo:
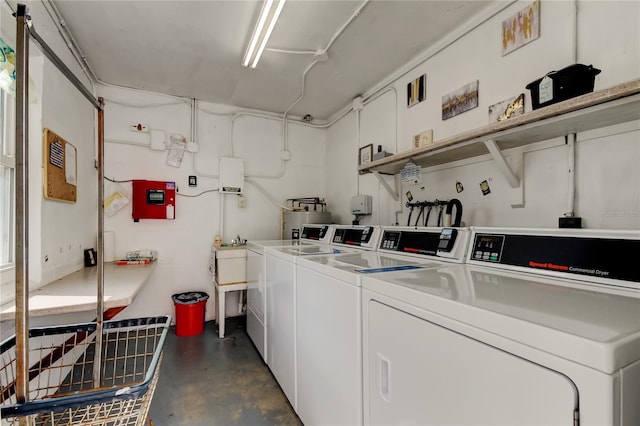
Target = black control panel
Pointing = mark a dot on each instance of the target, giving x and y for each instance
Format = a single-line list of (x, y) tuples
[(418, 242), (353, 236), (447, 239), (314, 232), (596, 257), (488, 247)]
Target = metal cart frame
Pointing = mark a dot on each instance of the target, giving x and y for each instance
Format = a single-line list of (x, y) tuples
[(53, 383), (62, 390)]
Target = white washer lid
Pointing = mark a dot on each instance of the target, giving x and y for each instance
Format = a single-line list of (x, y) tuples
[(589, 324), (262, 244), (293, 253), (347, 266)]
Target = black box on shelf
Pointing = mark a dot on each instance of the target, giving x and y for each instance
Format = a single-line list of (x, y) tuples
[(567, 83)]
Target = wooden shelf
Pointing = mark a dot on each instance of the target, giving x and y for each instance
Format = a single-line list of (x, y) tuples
[(607, 107)]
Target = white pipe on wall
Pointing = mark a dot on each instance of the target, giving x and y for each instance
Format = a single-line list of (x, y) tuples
[(574, 28), (456, 35), (571, 138), (70, 42), (221, 217), (357, 111), (281, 172), (375, 96), (571, 164)]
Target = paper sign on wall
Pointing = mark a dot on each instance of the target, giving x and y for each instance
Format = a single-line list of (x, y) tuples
[(70, 164)]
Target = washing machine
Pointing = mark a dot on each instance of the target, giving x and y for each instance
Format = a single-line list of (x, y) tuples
[(541, 327), (281, 297), (363, 237), (312, 234), (328, 316)]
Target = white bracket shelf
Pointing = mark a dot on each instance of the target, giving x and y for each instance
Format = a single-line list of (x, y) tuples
[(603, 108), (391, 191), (516, 183), (615, 105)]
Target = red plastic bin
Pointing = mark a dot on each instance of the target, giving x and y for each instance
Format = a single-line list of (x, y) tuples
[(190, 309)]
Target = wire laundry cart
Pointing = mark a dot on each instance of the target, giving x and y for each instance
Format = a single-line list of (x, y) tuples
[(101, 373), (61, 374)]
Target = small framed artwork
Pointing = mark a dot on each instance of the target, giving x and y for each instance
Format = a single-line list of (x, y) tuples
[(417, 91), (506, 109), (521, 28), (365, 154), (461, 100)]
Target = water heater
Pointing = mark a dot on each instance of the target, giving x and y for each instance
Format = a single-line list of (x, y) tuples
[(293, 221), (153, 200)]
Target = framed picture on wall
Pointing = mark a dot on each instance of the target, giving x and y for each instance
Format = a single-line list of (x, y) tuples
[(365, 154), (521, 28), (417, 91), (461, 100)]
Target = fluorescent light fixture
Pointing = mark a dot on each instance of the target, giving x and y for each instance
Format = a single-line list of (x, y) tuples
[(268, 15)]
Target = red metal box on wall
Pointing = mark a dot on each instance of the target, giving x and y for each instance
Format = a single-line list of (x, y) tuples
[(153, 200)]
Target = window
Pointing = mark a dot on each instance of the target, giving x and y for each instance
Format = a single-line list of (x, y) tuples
[(7, 179)]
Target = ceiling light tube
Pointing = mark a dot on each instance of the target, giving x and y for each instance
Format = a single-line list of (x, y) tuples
[(272, 24), (257, 32), (260, 37)]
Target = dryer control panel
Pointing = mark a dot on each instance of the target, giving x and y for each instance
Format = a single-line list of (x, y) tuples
[(450, 243), (315, 233), (359, 236), (576, 253)]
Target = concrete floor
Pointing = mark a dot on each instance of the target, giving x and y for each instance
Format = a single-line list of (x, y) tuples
[(205, 380)]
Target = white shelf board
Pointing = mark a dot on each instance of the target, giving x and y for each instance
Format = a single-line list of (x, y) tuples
[(618, 104)]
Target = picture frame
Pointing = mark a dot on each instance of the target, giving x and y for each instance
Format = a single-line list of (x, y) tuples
[(460, 100), (521, 28), (506, 109), (417, 91), (365, 154)]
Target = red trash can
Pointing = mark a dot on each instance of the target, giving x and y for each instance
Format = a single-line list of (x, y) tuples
[(190, 308)]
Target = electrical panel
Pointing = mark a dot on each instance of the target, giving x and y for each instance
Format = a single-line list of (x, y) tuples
[(231, 176), (153, 200), (361, 204)]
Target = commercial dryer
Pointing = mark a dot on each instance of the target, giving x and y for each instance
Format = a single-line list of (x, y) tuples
[(281, 287), (312, 234), (541, 327), (328, 315)]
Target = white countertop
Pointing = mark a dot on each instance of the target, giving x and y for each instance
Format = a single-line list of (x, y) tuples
[(77, 292)]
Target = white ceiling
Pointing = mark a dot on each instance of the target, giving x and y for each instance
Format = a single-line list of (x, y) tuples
[(194, 48)]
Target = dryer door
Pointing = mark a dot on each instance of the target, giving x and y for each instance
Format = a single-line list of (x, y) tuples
[(422, 373)]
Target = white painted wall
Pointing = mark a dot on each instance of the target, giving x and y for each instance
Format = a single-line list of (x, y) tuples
[(607, 176), (58, 232), (184, 243), (323, 162), (68, 228)]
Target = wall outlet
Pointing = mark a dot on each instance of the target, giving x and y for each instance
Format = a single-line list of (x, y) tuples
[(139, 128)]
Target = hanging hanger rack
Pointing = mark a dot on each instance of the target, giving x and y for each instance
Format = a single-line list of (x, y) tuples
[(25, 30)]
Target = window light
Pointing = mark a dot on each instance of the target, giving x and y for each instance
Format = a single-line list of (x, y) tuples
[(268, 15)]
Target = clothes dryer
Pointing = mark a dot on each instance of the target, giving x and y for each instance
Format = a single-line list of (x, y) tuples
[(281, 297), (312, 234), (328, 316), (541, 327)]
